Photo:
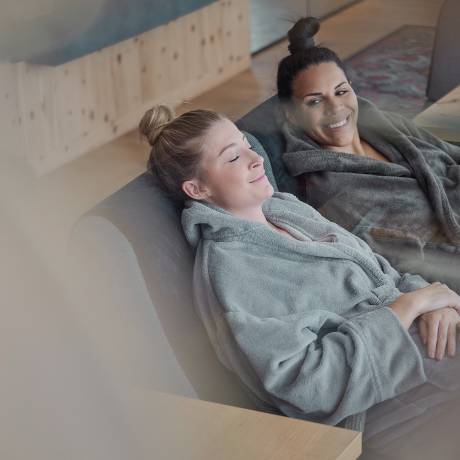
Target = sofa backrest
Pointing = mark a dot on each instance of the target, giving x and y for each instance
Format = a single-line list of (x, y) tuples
[(133, 269)]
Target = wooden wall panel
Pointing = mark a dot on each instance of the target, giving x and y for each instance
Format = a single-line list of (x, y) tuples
[(11, 132), (37, 97), (67, 110)]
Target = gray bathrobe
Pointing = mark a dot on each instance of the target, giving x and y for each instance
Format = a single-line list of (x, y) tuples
[(407, 210), (304, 322)]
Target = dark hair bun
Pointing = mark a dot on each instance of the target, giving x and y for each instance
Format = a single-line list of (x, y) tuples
[(301, 34)]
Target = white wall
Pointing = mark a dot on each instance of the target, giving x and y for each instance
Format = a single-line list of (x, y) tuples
[(271, 19)]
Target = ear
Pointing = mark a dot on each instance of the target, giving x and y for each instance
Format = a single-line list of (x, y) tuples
[(290, 117), (289, 114), (194, 190)]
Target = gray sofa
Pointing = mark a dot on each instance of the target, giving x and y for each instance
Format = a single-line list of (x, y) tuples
[(132, 269)]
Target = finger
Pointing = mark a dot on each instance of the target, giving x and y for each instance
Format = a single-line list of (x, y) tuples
[(423, 331), (442, 339), (452, 340), (432, 337)]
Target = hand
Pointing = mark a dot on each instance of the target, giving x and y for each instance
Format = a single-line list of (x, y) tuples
[(437, 329), (409, 306), (433, 297)]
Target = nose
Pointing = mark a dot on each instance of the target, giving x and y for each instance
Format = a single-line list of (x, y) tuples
[(334, 105), (255, 159)]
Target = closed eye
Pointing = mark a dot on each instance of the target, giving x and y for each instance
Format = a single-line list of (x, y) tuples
[(234, 159), (248, 145)]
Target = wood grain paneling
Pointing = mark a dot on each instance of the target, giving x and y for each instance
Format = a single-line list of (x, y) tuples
[(68, 110)]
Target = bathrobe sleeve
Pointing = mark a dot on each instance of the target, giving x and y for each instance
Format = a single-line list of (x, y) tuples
[(331, 372)]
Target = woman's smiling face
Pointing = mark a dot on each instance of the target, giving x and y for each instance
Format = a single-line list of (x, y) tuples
[(325, 106), (232, 175)]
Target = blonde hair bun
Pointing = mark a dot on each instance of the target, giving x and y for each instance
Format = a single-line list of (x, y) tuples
[(154, 121)]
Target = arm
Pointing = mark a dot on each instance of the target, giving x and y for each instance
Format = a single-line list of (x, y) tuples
[(320, 365), (334, 371), (429, 299), (437, 307), (437, 328)]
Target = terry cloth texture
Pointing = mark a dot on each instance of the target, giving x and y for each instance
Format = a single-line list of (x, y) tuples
[(407, 210), (304, 323)]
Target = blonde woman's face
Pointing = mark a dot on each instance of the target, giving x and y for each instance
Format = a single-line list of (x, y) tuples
[(232, 175), (325, 105)]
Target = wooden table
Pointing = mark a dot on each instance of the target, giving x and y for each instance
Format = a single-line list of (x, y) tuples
[(443, 117), (177, 428)]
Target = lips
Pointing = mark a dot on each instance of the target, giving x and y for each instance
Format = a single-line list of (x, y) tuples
[(258, 179), (339, 123)]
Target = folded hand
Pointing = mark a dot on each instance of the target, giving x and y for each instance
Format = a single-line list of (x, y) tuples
[(438, 330)]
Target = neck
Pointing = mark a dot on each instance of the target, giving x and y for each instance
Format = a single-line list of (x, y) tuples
[(252, 214), (356, 146)]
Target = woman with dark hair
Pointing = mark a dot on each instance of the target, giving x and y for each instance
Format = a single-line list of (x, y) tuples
[(374, 173), (314, 323)]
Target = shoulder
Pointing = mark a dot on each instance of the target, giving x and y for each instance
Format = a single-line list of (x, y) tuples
[(288, 197), (374, 119), (291, 201), (287, 201), (402, 123)]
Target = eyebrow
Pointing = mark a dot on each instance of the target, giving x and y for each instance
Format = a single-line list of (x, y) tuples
[(233, 144), (320, 94)]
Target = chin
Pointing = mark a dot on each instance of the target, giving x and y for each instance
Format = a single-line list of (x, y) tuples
[(265, 195), (270, 190), (341, 141)]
